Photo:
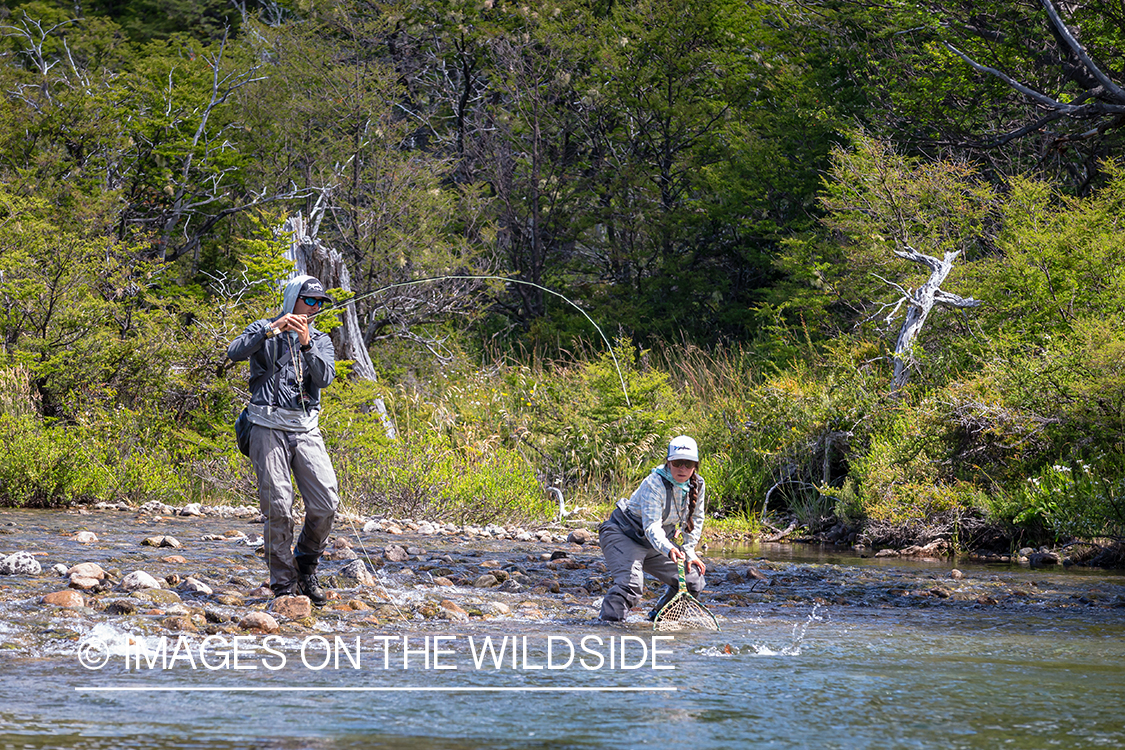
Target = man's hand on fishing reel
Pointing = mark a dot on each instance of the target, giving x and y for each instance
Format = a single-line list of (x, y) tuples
[(295, 322)]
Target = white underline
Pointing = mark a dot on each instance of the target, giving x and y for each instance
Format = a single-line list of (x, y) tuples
[(405, 689)]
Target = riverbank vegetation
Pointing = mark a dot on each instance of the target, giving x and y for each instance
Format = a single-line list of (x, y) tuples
[(870, 259)]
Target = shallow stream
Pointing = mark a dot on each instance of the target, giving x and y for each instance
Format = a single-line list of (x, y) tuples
[(827, 653)]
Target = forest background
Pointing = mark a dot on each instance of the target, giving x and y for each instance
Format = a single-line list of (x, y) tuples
[(867, 253)]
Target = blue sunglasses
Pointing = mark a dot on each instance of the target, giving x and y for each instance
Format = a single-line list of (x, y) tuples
[(312, 301)]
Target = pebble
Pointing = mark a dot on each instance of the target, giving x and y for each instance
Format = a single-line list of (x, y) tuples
[(20, 564), (485, 582), (85, 537), (192, 509), (162, 541)]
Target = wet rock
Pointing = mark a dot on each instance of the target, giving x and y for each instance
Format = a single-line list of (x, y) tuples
[(395, 553), (357, 571), (1042, 559), (157, 596), (956, 575), (179, 623), (87, 570), (496, 608), (887, 553), (454, 612), (231, 599), (486, 581), (121, 607), (940, 593), (342, 553), (139, 579), (292, 607), (259, 621), (192, 509), (20, 564), (415, 551), (392, 529), (500, 575), (157, 508), (511, 586), (85, 537), (175, 559), (162, 541), (69, 599), (262, 592), (59, 569), (84, 584), (442, 581), (196, 586), (172, 579), (558, 555), (987, 601), (580, 536)]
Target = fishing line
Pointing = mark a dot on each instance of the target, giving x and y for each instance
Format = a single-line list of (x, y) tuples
[(609, 347)]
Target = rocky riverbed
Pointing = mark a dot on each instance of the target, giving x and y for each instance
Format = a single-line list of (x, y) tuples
[(198, 570)]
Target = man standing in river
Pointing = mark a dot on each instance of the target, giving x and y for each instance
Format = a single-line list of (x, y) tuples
[(290, 362)]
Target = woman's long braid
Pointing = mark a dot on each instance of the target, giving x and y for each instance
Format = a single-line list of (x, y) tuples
[(693, 498)]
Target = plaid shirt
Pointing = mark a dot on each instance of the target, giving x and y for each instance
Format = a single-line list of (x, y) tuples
[(647, 503)]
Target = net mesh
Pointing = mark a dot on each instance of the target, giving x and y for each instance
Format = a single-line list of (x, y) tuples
[(684, 613)]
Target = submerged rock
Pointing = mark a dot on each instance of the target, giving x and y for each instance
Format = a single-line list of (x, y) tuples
[(486, 581), (85, 537), (20, 564)]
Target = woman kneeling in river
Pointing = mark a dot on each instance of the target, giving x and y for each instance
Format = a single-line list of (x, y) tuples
[(637, 537)]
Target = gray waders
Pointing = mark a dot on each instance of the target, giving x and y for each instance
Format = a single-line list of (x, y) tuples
[(276, 453), (629, 555)]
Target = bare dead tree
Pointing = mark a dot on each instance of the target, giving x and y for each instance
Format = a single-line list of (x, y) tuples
[(919, 304)]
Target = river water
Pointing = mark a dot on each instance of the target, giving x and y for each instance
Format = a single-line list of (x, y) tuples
[(876, 664)]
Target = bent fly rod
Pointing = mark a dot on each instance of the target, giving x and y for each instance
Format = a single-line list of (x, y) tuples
[(505, 279)]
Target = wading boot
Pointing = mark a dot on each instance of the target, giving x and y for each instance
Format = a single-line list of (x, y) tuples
[(308, 585)]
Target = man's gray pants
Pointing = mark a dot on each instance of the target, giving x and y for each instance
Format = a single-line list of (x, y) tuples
[(276, 453), (628, 561)]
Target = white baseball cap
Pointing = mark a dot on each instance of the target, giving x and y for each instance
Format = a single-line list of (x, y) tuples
[(683, 448)]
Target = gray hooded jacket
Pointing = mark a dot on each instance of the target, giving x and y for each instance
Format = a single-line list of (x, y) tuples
[(285, 382)]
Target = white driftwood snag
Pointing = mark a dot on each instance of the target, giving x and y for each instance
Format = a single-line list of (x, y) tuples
[(918, 306), (312, 257)]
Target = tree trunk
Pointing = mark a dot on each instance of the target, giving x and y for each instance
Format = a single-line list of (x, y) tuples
[(313, 258), (918, 306)]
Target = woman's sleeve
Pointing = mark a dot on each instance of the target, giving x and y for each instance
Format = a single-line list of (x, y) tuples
[(690, 540)]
